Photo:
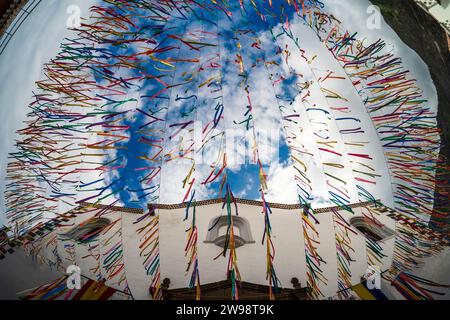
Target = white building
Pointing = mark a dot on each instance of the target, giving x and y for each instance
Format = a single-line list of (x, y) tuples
[(120, 233)]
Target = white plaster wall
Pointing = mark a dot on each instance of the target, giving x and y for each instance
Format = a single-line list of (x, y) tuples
[(138, 280), (287, 238), (289, 245), (327, 250), (81, 250), (18, 272), (358, 242), (251, 258)]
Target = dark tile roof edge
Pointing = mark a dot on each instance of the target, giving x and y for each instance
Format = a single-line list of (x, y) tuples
[(254, 203), (217, 201), (111, 208)]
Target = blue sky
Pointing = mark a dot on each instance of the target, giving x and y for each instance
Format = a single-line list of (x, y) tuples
[(244, 179)]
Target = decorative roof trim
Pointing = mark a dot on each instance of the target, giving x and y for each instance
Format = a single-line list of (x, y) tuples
[(110, 208), (218, 201), (253, 203)]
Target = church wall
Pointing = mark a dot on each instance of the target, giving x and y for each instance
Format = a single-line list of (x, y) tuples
[(137, 278), (288, 240), (287, 237)]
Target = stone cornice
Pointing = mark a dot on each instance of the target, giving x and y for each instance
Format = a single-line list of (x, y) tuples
[(218, 201), (255, 203)]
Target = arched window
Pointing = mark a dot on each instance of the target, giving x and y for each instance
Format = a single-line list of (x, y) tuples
[(88, 231), (370, 229), (217, 231)]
